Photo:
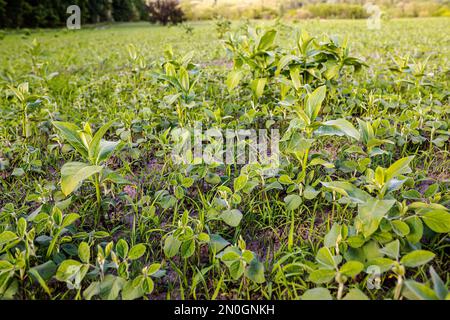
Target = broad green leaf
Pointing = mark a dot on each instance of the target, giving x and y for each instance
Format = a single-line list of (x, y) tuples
[(111, 286), (326, 258), (233, 79), (74, 173), (351, 268), (293, 201), (137, 251), (438, 285), (322, 276), (231, 217), (437, 220), (331, 238), (7, 237), (266, 41), (401, 228), (349, 190), (237, 268), (239, 182), (417, 258), (171, 246), (392, 249), (187, 248), (255, 271), (122, 248), (355, 294), (384, 264), (371, 213), (344, 127), (317, 294), (84, 252), (415, 229), (106, 149), (94, 146), (71, 133), (130, 292), (419, 291), (399, 167), (257, 86), (314, 102)]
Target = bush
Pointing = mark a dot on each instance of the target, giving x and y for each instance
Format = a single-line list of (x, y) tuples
[(165, 11)]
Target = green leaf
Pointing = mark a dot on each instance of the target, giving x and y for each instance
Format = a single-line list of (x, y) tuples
[(111, 286), (371, 213), (41, 281), (137, 251), (325, 257), (153, 268), (419, 291), (257, 86), (69, 219), (92, 290), (106, 149), (255, 271), (392, 249), (130, 292), (293, 201), (399, 167), (349, 190), (233, 79), (217, 243), (384, 264), (171, 246), (231, 217), (400, 227), (314, 102), (331, 238), (437, 220), (317, 294), (351, 268), (122, 248), (84, 252), (438, 285), (237, 268), (7, 237), (71, 133), (187, 248), (417, 258), (240, 182), (343, 126), (74, 173), (95, 145), (267, 40), (322, 276), (355, 294), (415, 229)]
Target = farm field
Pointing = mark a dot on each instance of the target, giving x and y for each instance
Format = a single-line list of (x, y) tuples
[(94, 204)]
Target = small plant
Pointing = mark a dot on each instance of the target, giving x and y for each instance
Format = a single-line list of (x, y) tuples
[(95, 151)]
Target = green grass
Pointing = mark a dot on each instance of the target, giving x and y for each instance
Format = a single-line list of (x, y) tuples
[(90, 76)]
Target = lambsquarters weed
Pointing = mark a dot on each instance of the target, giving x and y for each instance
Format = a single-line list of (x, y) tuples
[(94, 206)]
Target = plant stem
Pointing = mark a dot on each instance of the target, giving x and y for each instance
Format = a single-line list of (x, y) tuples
[(99, 199)]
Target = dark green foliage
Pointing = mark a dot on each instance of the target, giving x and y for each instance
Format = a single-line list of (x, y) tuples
[(52, 13)]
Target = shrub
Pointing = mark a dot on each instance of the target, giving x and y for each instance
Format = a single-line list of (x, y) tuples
[(165, 11)]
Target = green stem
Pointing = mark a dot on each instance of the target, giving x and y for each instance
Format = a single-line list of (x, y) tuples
[(99, 198)]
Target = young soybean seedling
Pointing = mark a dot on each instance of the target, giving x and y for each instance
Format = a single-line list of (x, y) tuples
[(95, 152)]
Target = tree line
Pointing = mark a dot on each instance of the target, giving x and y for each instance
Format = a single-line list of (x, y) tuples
[(53, 13)]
